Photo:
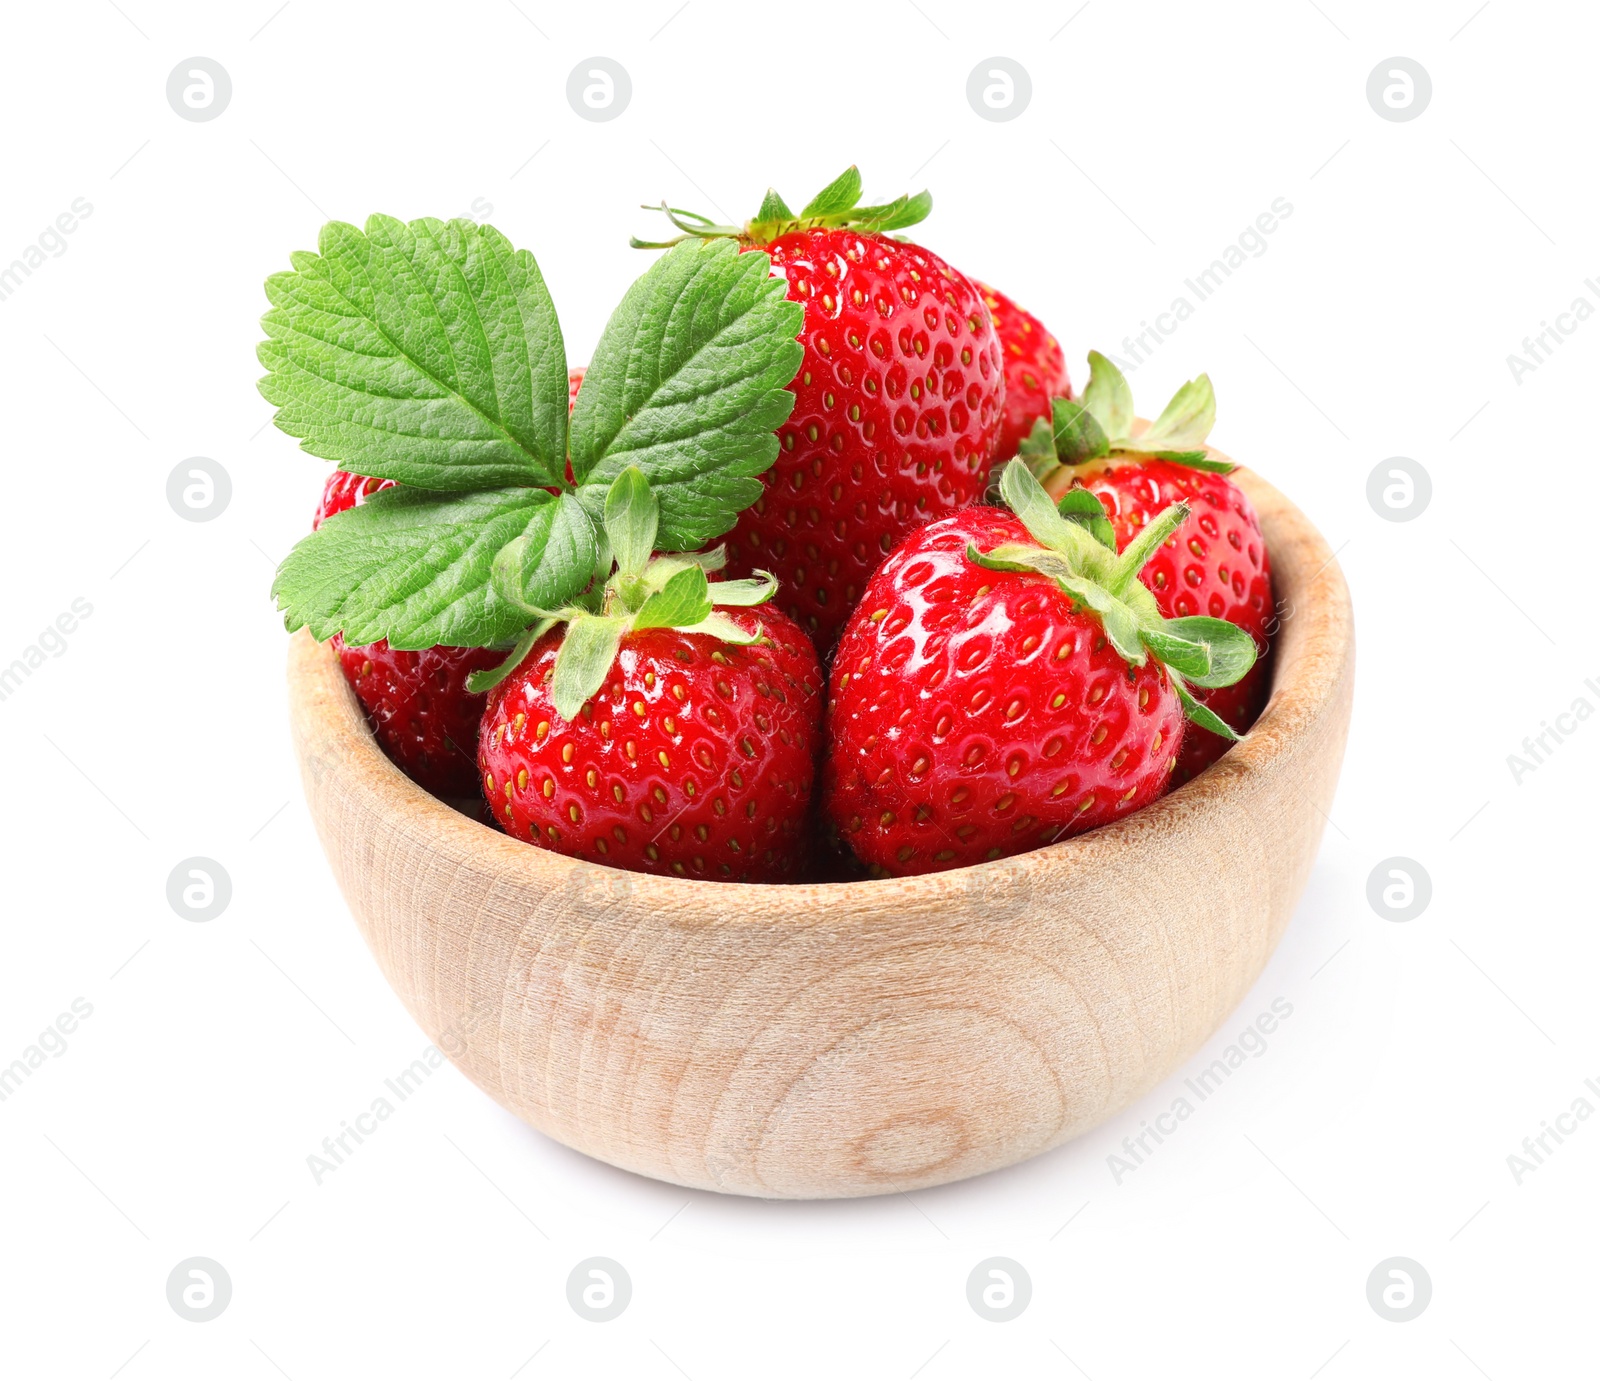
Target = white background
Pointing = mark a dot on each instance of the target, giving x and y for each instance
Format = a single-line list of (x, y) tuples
[(1378, 323)]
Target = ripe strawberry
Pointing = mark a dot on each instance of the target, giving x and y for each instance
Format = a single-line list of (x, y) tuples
[(1235, 584), (1215, 564), (420, 710), (647, 731), (418, 704), (1035, 368), (344, 490), (1006, 682), (898, 401)]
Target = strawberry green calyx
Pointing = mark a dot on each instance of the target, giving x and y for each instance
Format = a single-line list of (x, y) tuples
[(1077, 550), (1102, 424), (834, 207), (641, 592)]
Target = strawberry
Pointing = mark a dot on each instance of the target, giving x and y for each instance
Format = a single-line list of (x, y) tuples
[(899, 399), (344, 490), (1215, 564), (644, 729), (1007, 681), (420, 710), (1035, 368), (418, 704)]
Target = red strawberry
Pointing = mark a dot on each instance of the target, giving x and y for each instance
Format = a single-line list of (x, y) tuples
[(1234, 584), (1035, 368), (1215, 564), (695, 758), (652, 732), (344, 490), (898, 402), (1006, 682), (421, 711)]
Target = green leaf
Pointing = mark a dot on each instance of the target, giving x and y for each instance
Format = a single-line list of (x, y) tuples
[(426, 353), (1028, 500), (687, 383), (774, 208), (1232, 650), (725, 630), (683, 599), (1188, 658), (1115, 617), (587, 652), (709, 561), (663, 568), (1186, 421), (482, 682), (1026, 497), (838, 196), (1037, 450), (1198, 714), (1084, 507), (411, 566), (1078, 435), (895, 215), (632, 516), (1146, 542), (1195, 460), (744, 593), (604, 563), (1018, 556), (1108, 396), (551, 561)]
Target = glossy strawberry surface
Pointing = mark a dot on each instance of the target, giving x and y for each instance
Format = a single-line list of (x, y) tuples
[(1035, 368), (420, 710), (696, 759), (972, 714), (343, 490), (1215, 564), (898, 405)]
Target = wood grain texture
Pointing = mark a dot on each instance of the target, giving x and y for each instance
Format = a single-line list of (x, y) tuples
[(833, 1040)]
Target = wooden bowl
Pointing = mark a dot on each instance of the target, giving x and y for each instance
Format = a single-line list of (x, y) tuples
[(828, 1040)]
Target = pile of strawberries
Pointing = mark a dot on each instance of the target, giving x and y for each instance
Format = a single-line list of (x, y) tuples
[(971, 613)]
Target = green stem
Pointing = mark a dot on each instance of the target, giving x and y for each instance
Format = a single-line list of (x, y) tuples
[(1136, 555), (693, 226)]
